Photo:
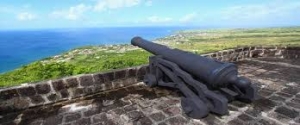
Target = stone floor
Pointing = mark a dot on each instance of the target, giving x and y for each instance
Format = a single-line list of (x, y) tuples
[(279, 87)]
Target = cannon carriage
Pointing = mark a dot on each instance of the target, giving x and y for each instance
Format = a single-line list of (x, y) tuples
[(207, 85)]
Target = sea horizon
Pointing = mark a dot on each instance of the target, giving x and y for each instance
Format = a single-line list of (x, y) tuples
[(22, 47)]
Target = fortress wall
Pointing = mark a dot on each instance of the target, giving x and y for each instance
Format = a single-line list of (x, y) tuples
[(69, 88)]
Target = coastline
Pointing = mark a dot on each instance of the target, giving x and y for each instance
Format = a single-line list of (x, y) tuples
[(93, 59)]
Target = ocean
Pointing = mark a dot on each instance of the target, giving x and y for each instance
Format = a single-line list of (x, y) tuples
[(22, 47)]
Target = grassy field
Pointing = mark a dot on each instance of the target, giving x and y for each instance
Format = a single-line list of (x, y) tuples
[(102, 58)]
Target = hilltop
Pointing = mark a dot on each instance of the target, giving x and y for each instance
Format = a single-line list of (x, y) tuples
[(103, 58)]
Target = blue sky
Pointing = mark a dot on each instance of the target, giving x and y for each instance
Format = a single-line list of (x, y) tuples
[(36, 14)]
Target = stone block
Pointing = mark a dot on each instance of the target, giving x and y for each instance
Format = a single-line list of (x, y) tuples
[(64, 93), (130, 108), (178, 120), (27, 91), (291, 113), (88, 90), (246, 118), (100, 118), (52, 97), (129, 81), (99, 79), (37, 99), (8, 94), (108, 86), (131, 72), (58, 85), (171, 111), (42, 88), (120, 74), (71, 82), (72, 117), (21, 103), (141, 71), (145, 121), (108, 76), (78, 92), (158, 116), (53, 120), (235, 122), (135, 115), (290, 90), (83, 121), (86, 80), (92, 111)]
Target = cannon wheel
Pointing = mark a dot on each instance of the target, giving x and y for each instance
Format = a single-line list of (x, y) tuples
[(150, 80), (194, 108)]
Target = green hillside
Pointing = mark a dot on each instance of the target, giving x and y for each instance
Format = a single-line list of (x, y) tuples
[(102, 58)]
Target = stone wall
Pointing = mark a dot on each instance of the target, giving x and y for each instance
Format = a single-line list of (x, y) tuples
[(241, 53), (68, 88), (52, 91)]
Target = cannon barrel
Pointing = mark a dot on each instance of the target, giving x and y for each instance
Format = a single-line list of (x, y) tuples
[(214, 73)]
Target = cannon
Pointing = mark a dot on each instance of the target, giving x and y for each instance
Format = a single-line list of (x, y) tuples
[(207, 85)]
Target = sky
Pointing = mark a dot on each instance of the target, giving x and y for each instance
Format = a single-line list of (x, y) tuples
[(40, 14)]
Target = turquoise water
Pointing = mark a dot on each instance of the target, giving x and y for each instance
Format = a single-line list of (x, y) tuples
[(19, 48)]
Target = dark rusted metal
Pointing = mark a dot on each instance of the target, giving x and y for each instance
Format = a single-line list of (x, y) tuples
[(207, 84)]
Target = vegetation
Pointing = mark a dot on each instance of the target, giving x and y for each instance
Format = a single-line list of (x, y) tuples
[(102, 58)]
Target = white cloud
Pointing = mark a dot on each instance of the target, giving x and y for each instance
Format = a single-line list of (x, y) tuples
[(188, 17), (148, 3), (155, 19), (260, 11), (115, 4), (73, 13), (26, 16)]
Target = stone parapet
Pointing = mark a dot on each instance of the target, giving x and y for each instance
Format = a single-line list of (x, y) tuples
[(52, 91), (68, 88)]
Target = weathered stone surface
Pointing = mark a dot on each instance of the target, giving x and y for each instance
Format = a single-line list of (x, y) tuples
[(135, 115), (178, 120), (92, 111), (58, 85), (287, 112), (72, 117), (86, 80), (131, 72), (53, 120), (100, 118), (120, 74), (88, 90), (235, 122), (64, 93), (78, 92), (171, 111), (245, 118), (277, 98), (8, 94), (37, 99), (108, 77), (158, 116), (52, 97), (99, 79), (27, 91), (42, 88), (83, 121), (266, 122), (21, 103), (141, 71), (145, 121), (71, 82), (130, 108), (290, 90)]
